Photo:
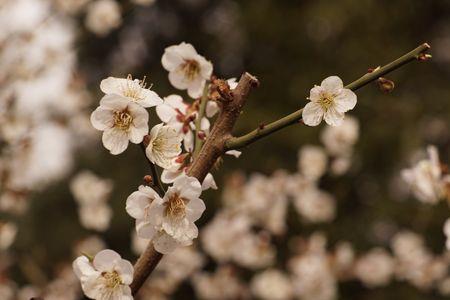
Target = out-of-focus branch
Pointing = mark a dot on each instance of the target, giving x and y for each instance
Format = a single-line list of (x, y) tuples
[(231, 106), (295, 117)]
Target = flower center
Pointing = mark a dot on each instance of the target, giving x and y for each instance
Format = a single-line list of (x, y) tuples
[(176, 207), (122, 119), (112, 279), (191, 68), (133, 89), (326, 101)]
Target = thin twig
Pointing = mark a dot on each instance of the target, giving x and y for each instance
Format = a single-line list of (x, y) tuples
[(295, 117), (156, 182)]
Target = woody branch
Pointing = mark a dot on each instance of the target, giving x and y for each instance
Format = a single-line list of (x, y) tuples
[(221, 140)]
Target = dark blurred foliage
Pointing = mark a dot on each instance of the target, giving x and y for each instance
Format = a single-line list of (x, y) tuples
[(289, 46)]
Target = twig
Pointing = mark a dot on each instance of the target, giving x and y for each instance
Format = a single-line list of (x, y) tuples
[(295, 117), (198, 121), (156, 182)]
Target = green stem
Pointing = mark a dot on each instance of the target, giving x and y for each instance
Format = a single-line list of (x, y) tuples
[(295, 117), (198, 121)]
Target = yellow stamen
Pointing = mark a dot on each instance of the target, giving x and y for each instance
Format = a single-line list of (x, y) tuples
[(176, 207), (122, 119), (191, 68), (112, 279)]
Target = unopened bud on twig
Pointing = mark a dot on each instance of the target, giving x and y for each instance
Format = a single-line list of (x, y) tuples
[(424, 57), (201, 135), (146, 140), (148, 180), (385, 85)]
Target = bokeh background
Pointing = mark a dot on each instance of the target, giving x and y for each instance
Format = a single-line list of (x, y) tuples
[(289, 46)]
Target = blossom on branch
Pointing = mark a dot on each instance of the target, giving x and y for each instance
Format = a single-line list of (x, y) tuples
[(134, 90), (181, 116), (187, 69), (107, 276), (168, 221), (121, 121), (164, 146), (329, 101)]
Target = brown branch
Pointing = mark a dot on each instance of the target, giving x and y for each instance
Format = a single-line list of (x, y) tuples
[(213, 148), (144, 266)]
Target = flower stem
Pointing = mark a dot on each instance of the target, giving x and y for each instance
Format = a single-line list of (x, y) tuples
[(295, 117), (198, 121), (156, 182)]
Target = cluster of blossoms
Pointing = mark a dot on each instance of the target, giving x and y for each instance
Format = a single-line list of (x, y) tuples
[(167, 219), (43, 110)]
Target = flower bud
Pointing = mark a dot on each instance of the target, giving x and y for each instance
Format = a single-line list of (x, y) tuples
[(385, 85)]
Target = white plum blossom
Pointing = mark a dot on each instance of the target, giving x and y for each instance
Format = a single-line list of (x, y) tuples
[(164, 146), (375, 268), (87, 188), (96, 216), (181, 116), (315, 205), (121, 121), (312, 162), (425, 178), (108, 276), (339, 140), (329, 101), (168, 221), (103, 16), (187, 69), (222, 284), (176, 213), (134, 90)]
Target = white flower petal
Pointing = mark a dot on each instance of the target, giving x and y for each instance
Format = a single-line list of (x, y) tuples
[(332, 84), (190, 187), (345, 100), (315, 93), (105, 260), (165, 244), (234, 153), (125, 270), (196, 207), (312, 114), (115, 140), (209, 183), (102, 119), (150, 98), (113, 85), (211, 108), (333, 117)]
